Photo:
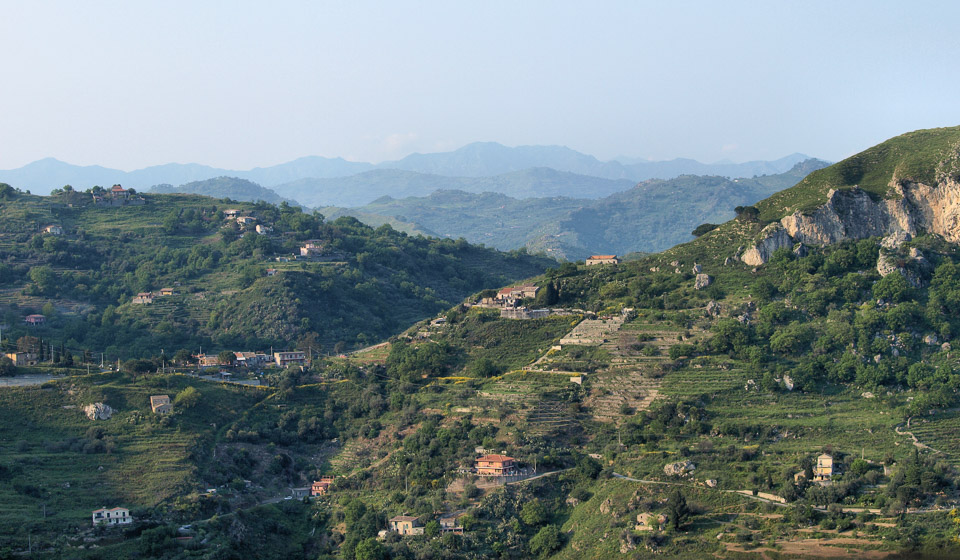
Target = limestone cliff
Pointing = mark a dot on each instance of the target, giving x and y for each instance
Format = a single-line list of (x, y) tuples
[(848, 214)]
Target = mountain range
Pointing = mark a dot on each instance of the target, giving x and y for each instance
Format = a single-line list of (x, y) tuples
[(479, 159), (651, 216)]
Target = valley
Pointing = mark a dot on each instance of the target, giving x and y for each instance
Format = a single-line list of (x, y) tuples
[(426, 398)]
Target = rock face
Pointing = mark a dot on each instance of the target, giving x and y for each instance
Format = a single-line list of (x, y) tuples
[(679, 468), (773, 237), (854, 214), (913, 265), (702, 281), (713, 309), (98, 411)]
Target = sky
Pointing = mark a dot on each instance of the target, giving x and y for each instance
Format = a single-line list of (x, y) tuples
[(238, 84)]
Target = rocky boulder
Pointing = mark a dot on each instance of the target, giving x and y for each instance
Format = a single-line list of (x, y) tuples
[(98, 411), (679, 468), (702, 281)]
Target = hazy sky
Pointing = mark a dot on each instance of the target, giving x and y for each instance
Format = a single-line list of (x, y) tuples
[(242, 84)]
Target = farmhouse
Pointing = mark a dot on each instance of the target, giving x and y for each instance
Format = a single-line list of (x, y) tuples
[(205, 361), (300, 493), (321, 486), (823, 470), (406, 525), (167, 292), (495, 465), (35, 320), (113, 516), (312, 248), (449, 525), (263, 230), (53, 230), (517, 292), (143, 297), (161, 404), (250, 359), (284, 359), (245, 221), (602, 259), (119, 192), (20, 359), (230, 213)]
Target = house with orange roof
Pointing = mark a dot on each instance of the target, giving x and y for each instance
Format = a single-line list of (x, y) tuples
[(602, 259), (495, 465)]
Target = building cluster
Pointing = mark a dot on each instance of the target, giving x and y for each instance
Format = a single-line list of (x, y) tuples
[(117, 196), (148, 297), (254, 359)]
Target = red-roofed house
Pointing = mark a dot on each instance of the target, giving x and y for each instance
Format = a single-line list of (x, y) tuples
[(35, 320), (119, 192), (321, 486), (495, 465), (602, 259)]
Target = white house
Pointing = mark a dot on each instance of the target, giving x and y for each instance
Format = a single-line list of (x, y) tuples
[(113, 516)]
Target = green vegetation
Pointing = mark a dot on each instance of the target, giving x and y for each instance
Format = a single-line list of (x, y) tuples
[(805, 407), (369, 284)]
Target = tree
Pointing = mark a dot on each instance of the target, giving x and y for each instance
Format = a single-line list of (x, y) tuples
[(484, 367), (29, 344), (370, 549), (6, 367), (188, 398), (677, 509), (533, 513), (226, 358), (182, 356), (546, 541), (45, 279), (703, 229), (137, 368), (746, 213)]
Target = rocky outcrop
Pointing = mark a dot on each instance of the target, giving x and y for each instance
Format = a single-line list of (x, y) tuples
[(909, 209), (773, 237), (98, 411), (702, 281), (913, 266), (679, 468)]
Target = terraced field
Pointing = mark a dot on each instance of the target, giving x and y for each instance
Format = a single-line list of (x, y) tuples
[(941, 433)]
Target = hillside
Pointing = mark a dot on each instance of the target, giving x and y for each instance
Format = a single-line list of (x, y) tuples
[(685, 404), (649, 217), (363, 285), (225, 187)]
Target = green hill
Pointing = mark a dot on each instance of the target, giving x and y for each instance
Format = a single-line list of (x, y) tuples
[(805, 407), (366, 285), (225, 187)]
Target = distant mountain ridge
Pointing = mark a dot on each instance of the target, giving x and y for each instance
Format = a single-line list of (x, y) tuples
[(366, 187), (479, 159), (648, 217)]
